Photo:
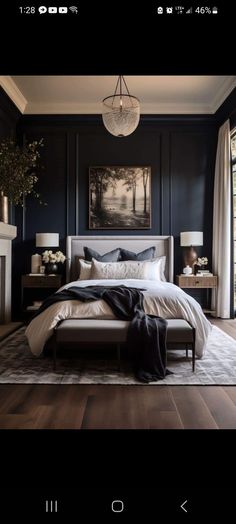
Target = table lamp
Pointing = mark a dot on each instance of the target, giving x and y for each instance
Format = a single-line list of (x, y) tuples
[(43, 240), (190, 239), (47, 239)]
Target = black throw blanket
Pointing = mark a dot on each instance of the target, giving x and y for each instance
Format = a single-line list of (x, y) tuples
[(146, 335)]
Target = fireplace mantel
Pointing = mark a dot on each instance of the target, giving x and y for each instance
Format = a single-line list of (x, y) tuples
[(7, 234), (7, 231)]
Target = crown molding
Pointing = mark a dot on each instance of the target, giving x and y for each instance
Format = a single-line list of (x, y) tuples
[(13, 92), (96, 108), (33, 108), (226, 88)]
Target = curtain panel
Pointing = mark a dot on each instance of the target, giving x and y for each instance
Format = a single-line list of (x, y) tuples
[(221, 246)]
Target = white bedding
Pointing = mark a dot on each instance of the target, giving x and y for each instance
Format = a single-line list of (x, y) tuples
[(160, 298)]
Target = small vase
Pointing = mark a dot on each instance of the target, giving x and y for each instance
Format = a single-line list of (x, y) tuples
[(3, 208), (51, 268)]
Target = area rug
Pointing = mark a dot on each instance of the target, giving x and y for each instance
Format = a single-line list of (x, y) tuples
[(19, 366)]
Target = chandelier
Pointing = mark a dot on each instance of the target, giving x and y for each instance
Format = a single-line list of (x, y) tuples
[(121, 111)]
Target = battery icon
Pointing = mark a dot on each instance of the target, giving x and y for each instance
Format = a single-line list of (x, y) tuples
[(215, 10)]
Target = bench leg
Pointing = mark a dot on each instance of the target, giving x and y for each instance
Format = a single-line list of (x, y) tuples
[(186, 350), (118, 355)]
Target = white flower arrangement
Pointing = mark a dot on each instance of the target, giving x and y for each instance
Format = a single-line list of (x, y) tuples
[(53, 258), (202, 261)]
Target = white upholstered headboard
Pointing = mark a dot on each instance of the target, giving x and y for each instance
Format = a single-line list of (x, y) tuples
[(75, 248)]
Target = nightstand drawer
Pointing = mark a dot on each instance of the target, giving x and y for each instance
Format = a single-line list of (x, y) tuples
[(197, 282), (41, 281)]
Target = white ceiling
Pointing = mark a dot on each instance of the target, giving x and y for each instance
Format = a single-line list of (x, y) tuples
[(83, 94)]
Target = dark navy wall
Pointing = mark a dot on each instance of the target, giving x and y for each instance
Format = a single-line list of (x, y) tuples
[(180, 150), (9, 115)]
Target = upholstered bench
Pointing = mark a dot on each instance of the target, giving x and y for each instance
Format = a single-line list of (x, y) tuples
[(74, 331)]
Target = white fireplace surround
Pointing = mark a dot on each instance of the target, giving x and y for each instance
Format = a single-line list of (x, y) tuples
[(7, 234)]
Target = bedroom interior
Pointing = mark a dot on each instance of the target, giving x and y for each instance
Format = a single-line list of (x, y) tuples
[(151, 197)]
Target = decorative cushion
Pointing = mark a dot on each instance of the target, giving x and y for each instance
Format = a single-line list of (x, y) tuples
[(111, 256), (156, 269), (118, 270), (147, 254), (84, 269)]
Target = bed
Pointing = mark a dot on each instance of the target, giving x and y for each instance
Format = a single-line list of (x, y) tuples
[(161, 298)]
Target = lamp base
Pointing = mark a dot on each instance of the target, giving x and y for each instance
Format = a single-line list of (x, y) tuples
[(190, 256)]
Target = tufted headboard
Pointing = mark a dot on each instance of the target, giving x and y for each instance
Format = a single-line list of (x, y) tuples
[(75, 249)]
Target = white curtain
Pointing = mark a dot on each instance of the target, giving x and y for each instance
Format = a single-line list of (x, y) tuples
[(221, 249)]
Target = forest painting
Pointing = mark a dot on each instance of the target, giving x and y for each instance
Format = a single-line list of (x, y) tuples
[(119, 197)]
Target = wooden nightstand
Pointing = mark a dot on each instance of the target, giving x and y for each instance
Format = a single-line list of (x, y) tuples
[(198, 282), (44, 286)]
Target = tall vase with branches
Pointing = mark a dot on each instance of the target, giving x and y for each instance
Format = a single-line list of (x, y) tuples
[(18, 170)]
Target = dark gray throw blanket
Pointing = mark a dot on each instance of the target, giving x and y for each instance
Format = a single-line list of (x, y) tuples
[(146, 335)]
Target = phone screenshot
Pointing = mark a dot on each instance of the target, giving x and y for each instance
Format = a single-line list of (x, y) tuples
[(117, 260)]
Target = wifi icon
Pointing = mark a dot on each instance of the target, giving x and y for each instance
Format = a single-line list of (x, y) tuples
[(74, 9)]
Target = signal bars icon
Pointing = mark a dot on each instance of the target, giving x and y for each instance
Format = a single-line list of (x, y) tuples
[(189, 12)]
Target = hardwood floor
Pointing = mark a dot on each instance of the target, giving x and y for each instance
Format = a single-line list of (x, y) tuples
[(120, 407)]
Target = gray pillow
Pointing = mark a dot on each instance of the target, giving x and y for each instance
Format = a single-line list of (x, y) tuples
[(111, 256), (147, 254)]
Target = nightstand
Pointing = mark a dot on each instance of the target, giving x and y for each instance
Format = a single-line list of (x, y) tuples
[(198, 282), (44, 285)]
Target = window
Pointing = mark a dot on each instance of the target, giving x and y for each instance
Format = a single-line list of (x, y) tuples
[(233, 150)]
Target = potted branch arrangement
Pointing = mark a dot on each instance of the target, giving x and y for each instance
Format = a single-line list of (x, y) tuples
[(18, 166)]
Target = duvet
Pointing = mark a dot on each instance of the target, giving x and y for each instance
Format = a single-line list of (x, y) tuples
[(160, 298)]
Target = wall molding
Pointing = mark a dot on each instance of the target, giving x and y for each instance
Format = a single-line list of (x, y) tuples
[(56, 119), (223, 93), (77, 184), (70, 108), (13, 92)]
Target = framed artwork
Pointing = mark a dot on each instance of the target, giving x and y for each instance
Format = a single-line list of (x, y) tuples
[(120, 197)]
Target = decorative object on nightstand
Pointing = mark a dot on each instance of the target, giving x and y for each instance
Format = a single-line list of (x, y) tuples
[(36, 261), (200, 262), (190, 239), (53, 261), (187, 270)]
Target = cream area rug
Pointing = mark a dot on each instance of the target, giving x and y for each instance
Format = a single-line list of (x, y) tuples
[(19, 366)]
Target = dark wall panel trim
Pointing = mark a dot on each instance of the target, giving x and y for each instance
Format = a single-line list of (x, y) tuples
[(45, 120), (67, 183), (77, 185)]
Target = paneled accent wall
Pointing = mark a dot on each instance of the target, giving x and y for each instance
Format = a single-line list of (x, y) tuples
[(181, 153)]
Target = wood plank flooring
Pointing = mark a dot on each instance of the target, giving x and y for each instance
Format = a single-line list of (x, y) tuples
[(119, 407)]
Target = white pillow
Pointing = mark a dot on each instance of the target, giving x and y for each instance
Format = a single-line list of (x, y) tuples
[(118, 270), (155, 269), (84, 269)]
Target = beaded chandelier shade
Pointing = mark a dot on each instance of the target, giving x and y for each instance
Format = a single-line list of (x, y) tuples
[(121, 111)]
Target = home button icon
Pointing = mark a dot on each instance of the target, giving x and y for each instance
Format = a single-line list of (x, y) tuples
[(117, 506)]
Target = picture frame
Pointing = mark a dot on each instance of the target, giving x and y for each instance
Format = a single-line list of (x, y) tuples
[(120, 197)]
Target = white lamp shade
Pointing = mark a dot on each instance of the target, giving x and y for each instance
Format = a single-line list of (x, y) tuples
[(47, 239), (191, 238)]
